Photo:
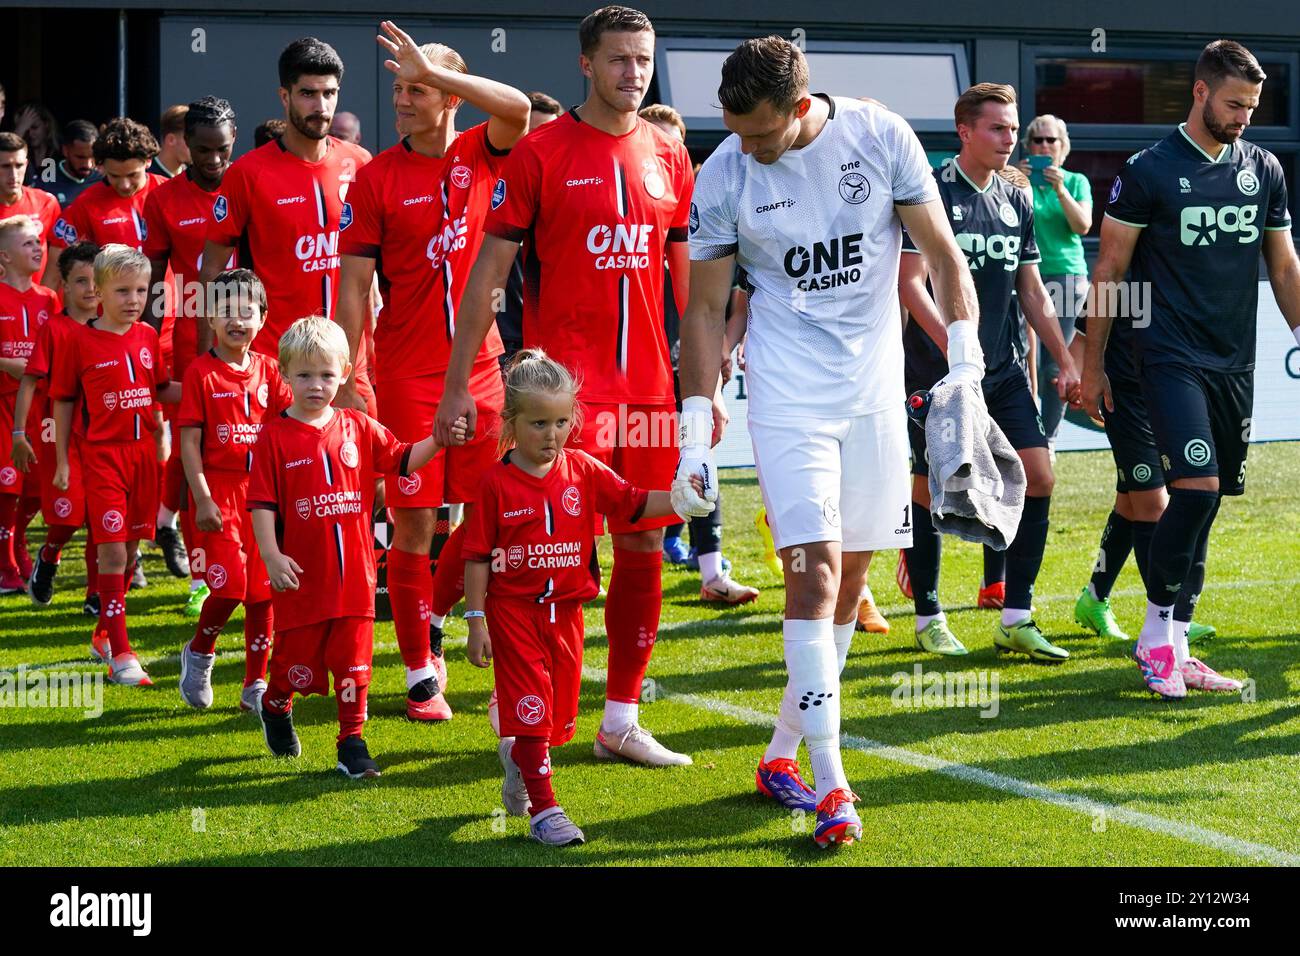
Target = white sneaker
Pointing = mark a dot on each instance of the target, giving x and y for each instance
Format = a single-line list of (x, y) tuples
[(726, 591), (250, 698), (554, 828), (196, 677), (514, 794), (126, 670), (637, 745)]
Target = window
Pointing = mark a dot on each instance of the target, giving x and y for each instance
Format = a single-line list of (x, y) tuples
[(1101, 166)]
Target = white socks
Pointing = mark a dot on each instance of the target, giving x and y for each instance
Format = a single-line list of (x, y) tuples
[(843, 640), (1179, 635), (437, 619), (923, 620), (810, 660), (1093, 591), (1014, 615), (414, 677), (618, 716), (710, 566), (788, 732), (166, 517), (866, 594), (1157, 629)]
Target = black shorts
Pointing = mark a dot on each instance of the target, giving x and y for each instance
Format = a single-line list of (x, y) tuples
[(1137, 463), (1010, 404), (1201, 422)]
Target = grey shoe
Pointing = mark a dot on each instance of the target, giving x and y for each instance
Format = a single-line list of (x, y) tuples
[(554, 828), (514, 795), (250, 698), (196, 678)]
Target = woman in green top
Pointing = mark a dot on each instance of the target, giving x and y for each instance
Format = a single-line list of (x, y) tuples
[(1062, 217)]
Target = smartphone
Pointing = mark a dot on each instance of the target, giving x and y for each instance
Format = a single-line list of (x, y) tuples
[(1036, 166)]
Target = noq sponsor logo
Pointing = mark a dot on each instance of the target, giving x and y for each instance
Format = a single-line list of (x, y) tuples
[(530, 710), (979, 249), (1201, 225), (625, 246)]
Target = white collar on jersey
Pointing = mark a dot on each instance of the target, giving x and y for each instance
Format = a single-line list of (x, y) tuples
[(1223, 153), (987, 186)]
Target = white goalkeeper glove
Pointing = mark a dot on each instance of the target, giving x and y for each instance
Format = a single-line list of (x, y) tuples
[(965, 356), (694, 441)]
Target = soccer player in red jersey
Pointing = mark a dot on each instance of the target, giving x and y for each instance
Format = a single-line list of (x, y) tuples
[(416, 217), (286, 199), (311, 494), (64, 511), (25, 306), (113, 377), (603, 199), (228, 395), (112, 210), (177, 217), (528, 558), (19, 200)]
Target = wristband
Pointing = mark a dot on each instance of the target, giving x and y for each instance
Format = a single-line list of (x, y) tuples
[(471, 614), (964, 345), (19, 431), (695, 422)]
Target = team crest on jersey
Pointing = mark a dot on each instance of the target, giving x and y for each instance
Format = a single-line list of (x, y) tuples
[(515, 555), (653, 180), (65, 231), (695, 218), (219, 209), (146, 357), (263, 394), (223, 433), (345, 217), (300, 676), (110, 400), (1247, 182), (1007, 213), (217, 576), (348, 454), (854, 188), (498, 194), (460, 177), (112, 521), (1115, 187), (530, 710), (62, 507), (303, 507), (408, 484), (572, 501)]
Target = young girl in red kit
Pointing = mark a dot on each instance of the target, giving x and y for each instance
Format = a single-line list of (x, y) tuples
[(528, 553)]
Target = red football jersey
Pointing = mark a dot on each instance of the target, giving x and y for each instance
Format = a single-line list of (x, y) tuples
[(102, 216), (289, 212), (422, 220), (320, 482), (22, 314), (38, 204), (114, 379), (231, 406), (177, 215), (597, 212), (539, 530), (51, 341)]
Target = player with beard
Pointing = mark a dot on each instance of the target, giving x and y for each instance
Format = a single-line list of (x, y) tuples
[(177, 216), (416, 221), (602, 199), (1190, 216), (285, 201)]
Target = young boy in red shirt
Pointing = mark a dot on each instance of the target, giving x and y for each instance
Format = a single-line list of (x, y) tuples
[(312, 495), (25, 306), (229, 393), (113, 377), (528, 554), (64, 511)]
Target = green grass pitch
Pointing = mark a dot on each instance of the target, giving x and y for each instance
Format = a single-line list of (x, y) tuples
[(1080, 766)]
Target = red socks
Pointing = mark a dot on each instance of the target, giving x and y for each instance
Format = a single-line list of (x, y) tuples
[(92, 564), (410, 591), (56, 536), (112, 612), (352, 710), (632, 620), (8, 521), (533, 756), (449, 577), (216, 612), (257, 640)]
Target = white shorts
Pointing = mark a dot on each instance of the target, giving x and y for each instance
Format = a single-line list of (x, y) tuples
[(846, 480)]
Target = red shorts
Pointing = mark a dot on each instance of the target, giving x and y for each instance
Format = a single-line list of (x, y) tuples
[(537, 661), (121, 481), (408, 407), (185, 346), (303, 658), (12, 481), (637, 441), (172, 488), (65, 508), (228, 559)]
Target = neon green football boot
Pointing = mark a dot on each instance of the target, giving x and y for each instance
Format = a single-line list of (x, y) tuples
[(1200, 632), (1026, 638), (938, 639), (1095, 615), (194, 603)]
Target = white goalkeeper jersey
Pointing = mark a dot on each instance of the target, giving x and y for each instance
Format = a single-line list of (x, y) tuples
[(818, 237)]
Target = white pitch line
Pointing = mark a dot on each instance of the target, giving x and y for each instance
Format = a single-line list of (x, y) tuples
[(1187, 832)]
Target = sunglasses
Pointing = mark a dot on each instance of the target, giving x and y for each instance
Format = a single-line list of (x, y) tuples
[(1043, 140)]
